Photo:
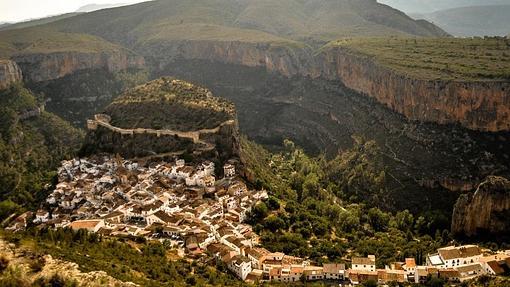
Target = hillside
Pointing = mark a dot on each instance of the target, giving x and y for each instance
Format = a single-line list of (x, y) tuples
[(437, 59), (32, 143), (45, 41), (35, 22), (472, 21), (165, 116), (169, 104), (298, 20)]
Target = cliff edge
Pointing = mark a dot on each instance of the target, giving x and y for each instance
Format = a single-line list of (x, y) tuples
[(484, 212), (9, 73)]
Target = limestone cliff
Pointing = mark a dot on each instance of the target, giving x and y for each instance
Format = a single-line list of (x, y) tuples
[(9, 73), (40, 67), (483, 105), (476, 105), (288, 59), (484, 212)]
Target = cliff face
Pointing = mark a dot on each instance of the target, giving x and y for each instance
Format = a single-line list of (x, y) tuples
[(484, 212), (483, 106), (9, 73), (283, 59), (44, 67)]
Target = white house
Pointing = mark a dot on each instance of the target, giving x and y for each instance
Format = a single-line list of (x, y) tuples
[(364, 263), (452, 256), (240, 265), (333, 271), (229, 170), (92, 225), (42, 216)]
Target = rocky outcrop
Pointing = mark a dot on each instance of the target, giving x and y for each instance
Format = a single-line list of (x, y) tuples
[(50, 66), (202, 125), (9, 73), (484, 212), (483, 106)]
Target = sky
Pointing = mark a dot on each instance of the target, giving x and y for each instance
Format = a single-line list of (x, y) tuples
[(17, 10)]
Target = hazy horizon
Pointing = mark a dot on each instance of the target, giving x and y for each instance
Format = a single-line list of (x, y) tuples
[(20, 10)]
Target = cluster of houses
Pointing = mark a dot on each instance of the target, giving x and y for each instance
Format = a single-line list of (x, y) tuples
[(181, 203), (452, 264), (200, 214)]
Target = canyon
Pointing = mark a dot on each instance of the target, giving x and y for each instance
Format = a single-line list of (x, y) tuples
[(477, 105)]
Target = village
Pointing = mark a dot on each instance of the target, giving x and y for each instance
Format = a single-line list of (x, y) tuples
[(199, 214)]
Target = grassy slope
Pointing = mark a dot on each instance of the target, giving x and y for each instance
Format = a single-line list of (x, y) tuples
[(448, 59), (291, 19), (36, 22), (44, 40)]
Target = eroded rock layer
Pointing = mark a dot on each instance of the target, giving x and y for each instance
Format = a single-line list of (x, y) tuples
[(485, 211), (483, 105), (50, 66), (9, 73)]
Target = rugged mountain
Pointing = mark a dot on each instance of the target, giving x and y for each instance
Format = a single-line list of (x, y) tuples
[(253, 33), (9, 73), (428, 6), (292, 19), (166, 117), (263, 56), (472, 21), (32, 144), (484, 212)]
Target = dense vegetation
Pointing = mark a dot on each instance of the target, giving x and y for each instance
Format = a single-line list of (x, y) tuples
[(171, 104), (129, 259), (30, 149), (77, 97), (474, 59), (333, 210)]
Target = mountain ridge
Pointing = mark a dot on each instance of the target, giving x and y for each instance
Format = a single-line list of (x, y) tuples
[(491, 20)]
